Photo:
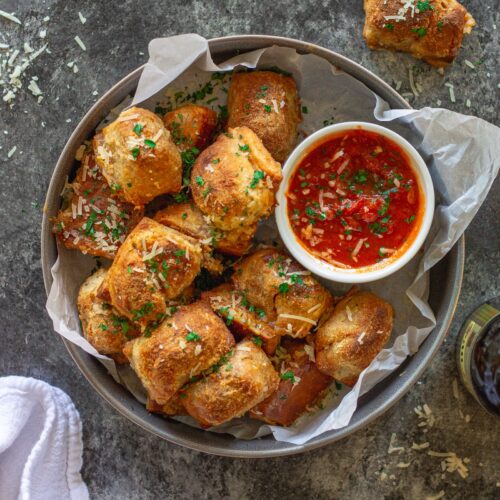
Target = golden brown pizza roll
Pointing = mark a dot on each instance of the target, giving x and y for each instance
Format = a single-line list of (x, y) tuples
[(102, 326), (242, 318), (234, 180), (189, 219), (241, 381), (95, 220), (269, 104), (181, 348), (301, 386), (292, 300), (137, 156), (191, 126), (431, 30), (351, 338), (154, 265)]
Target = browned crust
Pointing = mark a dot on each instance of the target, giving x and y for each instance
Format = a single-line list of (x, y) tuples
[(102, 326), (139, 288), (167, 359), (269, 104), (444, 27), (351, 338), (191, 126), (79, 233), (234, 180), (243, 381), (156, 170)]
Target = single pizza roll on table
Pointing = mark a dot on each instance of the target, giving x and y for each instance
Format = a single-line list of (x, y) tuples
[(301, 386), (269, 104), (351, 338), (95, 220), (137, 156), (431, 30), (243, 379), (181, 348), (191, 126), (102, 326), (292, 300), (154, 265), (234, 180)]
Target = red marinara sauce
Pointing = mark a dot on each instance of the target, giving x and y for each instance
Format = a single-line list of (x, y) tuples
[(354, 200)]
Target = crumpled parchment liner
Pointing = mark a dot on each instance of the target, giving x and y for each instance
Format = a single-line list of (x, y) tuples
[(462, 154)]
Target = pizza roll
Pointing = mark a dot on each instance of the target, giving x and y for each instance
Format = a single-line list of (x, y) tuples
[(154, 265), (102, 326), (172, 408), (301, 386), (191, 126), (182, 347), (189, 219), (137, 156), (242, 318), (234, 180), (292, 300), (243, 379), (351, 338), (431, 30), (269, 104), (95, 220)]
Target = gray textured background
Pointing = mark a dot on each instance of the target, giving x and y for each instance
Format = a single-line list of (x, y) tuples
[(123, 461)]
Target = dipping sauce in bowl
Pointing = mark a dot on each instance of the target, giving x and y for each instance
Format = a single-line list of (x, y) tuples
[(356, 202)]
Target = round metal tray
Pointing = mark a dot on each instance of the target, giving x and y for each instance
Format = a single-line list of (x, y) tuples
[(445, 284)]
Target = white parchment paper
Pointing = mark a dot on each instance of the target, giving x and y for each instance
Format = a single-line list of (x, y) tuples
[(462, 153)]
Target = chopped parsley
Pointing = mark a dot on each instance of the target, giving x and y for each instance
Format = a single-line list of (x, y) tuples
[(420, 31), (257, 176), (305, 110), (409, 220), (89, 226), (424, 5), (193, 337), (267, 108), (245, 148), (289, 375), (215, 161), (257, 341), (200, 181), (135, 152), (149, 143), (138, 128), (283, 288), (206, 192), (146, 309), (389, 26)]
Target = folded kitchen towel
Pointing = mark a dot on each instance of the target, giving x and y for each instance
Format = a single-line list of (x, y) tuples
[(40, 442)]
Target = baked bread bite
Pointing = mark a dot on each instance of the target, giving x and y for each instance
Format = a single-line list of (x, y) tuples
[(269, 104), (154, 265), (301, 385), (95, 220), (189, 219), (351, 338), (191, 126), (292, 300), (243, 378), (102, 326), (431, 30), (138, 157), (234, 180), (182, 347)]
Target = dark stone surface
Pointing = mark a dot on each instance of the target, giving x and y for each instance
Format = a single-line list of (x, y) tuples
[(123, 461)]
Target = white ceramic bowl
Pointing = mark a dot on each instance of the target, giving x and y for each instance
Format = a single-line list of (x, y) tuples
[(371, 272)]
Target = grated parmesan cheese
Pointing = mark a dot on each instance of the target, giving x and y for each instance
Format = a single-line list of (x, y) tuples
[(78, 40), (299, 318), (10, 17), (83, 19)]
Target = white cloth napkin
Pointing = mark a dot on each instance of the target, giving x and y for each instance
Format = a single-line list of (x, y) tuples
[(40, 442)]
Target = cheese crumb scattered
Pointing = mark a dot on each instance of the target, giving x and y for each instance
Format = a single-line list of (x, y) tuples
[(83, 19), (10, 17), (11, 152), (78, 40)]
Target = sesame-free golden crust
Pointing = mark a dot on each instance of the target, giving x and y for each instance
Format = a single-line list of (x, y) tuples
[(183, 346), (235, 179), (191, 126), (154, 264), (247, 378), (189, 219), (294, 397), (154, 170), (241, 317), (351, 338), (102, 326), (269, 104), (104, 221), (434, 35), (278, 285)]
